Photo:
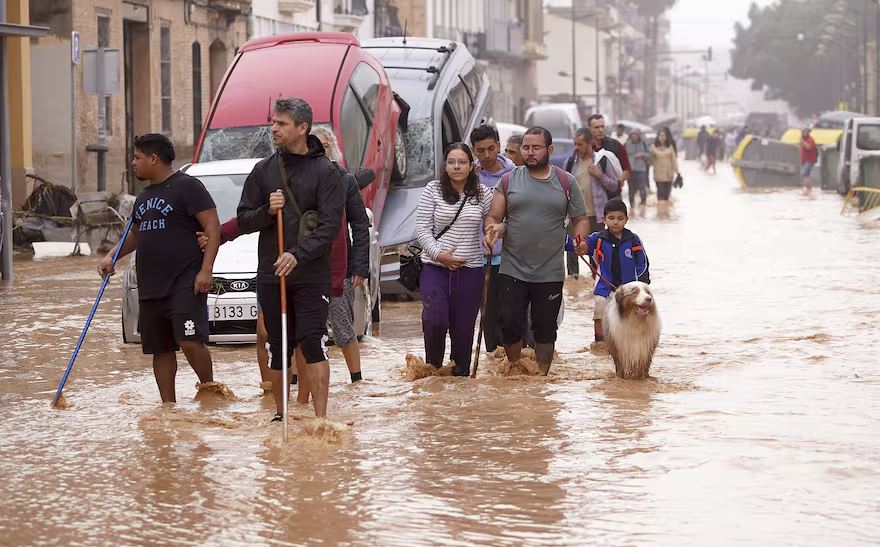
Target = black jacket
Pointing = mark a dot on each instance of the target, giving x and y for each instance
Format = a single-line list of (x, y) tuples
[(357, 219), (316, 185)]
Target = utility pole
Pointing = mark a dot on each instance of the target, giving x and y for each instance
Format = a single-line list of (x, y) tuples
[(598, 90), (573, 56)]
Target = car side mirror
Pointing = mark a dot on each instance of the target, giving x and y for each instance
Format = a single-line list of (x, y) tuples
[(364, 177)]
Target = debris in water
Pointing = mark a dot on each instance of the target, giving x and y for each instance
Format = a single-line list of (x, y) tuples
[(222, 391), (416, 369), (61, 403), (324, 429), (817, 337)]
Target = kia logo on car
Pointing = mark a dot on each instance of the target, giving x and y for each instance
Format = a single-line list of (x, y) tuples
[(239, 285)]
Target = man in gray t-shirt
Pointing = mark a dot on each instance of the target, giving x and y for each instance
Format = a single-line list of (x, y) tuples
[(529, 212)]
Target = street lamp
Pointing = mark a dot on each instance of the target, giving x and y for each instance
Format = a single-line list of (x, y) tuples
[(574, 20)]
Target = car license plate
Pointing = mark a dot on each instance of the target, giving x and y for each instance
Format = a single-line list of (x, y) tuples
[(233, 312)]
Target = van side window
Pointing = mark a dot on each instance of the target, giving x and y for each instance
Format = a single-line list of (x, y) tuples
[(462, 105), (355, 130), (451, 132), (365, 81), (868, 137)]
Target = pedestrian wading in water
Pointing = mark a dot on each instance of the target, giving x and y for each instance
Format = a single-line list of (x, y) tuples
[(529, 210), (350, 266), (301, 181), (173, 274), (491, 166), (448, 222), (665, 161), (620, 258)]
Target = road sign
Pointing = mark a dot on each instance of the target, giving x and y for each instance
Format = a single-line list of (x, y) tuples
[(109, 71), (75, 49)]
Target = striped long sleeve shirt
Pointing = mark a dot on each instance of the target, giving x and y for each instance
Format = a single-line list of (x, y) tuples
[(465, 238)]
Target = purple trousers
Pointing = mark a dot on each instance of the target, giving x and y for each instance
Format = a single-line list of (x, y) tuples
[(450, 303)]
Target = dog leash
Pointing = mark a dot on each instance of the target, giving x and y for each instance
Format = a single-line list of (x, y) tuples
[(595, 271)]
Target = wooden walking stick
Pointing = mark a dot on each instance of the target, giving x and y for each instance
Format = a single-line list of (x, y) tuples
[(285, 383), (482, 313)]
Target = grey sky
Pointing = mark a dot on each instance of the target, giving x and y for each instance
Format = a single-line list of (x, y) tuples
[(702, 23)]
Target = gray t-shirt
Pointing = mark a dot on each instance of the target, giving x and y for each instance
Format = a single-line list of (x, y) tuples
[(535, 239)]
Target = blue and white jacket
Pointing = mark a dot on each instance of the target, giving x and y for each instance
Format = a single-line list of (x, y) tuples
[(620, 261)]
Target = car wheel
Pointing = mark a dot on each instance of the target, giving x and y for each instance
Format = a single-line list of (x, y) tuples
[(399, 169)]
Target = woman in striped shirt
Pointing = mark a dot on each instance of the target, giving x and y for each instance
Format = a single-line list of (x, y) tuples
[(448, 223)]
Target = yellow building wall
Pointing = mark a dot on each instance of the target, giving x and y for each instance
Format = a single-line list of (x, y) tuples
[(18, 58)]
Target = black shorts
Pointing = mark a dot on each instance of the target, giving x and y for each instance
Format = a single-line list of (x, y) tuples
[(180, 317), (545, 299), (307, 309)]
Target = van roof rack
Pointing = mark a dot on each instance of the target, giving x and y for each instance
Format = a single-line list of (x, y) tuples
[(446, 50)]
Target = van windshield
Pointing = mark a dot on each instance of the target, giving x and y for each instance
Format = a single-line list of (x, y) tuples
[(237, 143)]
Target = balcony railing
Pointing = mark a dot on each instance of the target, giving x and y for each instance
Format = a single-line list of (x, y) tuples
[(349, 14), (504, 39)]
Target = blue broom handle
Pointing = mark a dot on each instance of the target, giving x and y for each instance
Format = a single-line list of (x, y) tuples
[(82, 335)]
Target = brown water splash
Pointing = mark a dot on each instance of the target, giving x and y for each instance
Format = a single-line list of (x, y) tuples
[(215, 390), (416, 369), (326, 430)]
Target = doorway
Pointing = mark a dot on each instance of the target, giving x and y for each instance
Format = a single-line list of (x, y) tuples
[(218, 54), (136, 58)]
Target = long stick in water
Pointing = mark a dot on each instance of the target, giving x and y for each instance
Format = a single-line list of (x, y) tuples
[(82, 335), (482, 313), (285, 382)]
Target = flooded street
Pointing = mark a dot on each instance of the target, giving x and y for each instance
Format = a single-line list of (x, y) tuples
[(761, 425)]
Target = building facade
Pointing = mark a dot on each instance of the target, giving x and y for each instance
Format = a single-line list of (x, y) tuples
[(596, 58), (173, 55)]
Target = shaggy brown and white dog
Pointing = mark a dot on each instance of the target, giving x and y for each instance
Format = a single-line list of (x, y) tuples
[(632, 329)]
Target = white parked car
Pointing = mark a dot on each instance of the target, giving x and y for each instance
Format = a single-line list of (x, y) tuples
[(505, 130), (562, 120), (232, 303)]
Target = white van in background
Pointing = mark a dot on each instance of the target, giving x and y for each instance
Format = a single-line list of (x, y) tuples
[(860, 139), (561, 119)]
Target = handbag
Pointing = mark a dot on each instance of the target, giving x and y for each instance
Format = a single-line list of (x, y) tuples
[(679, 182), (411, 264), (308, 221)]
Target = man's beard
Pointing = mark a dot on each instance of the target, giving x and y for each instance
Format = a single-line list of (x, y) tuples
[(540, 164)]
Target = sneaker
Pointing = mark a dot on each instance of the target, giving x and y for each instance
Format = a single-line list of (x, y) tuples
[(278, 417)]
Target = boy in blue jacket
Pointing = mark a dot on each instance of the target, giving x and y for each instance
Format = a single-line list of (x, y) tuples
[(620, 257)]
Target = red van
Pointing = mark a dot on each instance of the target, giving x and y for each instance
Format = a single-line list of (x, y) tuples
[(346, 87)]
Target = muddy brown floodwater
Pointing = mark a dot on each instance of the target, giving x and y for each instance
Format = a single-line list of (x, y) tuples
[(761, 425)]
